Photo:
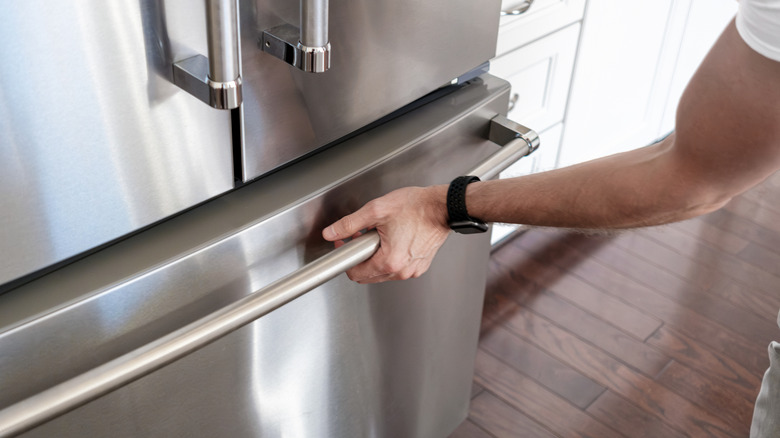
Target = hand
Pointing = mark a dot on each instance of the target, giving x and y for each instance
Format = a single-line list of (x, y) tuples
[(412, 226)]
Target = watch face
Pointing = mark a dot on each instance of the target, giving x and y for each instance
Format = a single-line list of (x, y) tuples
[(468, 227)]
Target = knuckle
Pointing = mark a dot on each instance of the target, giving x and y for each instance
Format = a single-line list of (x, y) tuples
[(376, 209), (393, 265)]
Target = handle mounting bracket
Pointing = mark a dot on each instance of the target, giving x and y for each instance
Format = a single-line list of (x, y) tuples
[(283, 42)]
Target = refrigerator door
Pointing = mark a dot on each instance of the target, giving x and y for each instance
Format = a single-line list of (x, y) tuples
[(96, 140), (344, 360), (384, 54)]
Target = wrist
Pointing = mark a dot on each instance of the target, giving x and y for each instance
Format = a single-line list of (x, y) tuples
[(436, 202)]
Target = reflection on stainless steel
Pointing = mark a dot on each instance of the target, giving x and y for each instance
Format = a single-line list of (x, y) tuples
[(388, 53), (103, 144), (216, 80), (69, 395), (343, 360), (520, 9)]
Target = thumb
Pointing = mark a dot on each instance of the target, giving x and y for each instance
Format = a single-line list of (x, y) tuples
[(345, 227)]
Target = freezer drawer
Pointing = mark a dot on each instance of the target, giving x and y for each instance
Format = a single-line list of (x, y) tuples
[(96, 140), (344, 360)]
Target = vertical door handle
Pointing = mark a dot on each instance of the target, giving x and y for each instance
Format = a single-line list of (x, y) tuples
[(215, 80), (307, 47)]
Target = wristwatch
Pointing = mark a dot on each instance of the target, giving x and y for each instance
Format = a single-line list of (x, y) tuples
[(459, 219)]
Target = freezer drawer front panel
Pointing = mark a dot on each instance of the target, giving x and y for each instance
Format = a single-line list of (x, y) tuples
[(96, 140), (345, 360), (385, 54)]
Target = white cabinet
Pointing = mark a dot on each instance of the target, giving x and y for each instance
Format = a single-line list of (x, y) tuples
[(542, 18), (540, 73), (614, 103), (632, 65), (704, 23)]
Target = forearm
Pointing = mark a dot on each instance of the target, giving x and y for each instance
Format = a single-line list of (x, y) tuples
[(637, 188)]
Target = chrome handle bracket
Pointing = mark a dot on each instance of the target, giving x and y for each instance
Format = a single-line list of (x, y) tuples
[(307, 47), (516, 142), (215, 80), (192, 75), (282, 42), (503, 130)]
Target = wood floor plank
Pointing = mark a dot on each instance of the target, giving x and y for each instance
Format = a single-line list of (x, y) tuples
[(730, 374), (768, 260), (767, 193), (743, 227), (654, 398), (610, 280), (527, 270), (468, 429), (691, 261), (526, 395), (628, 349), (532, 361), (629, 419), (687, 244), (707, 304), (762, 305), (712, 394), (755, 213), (501, 420), (714, 236)]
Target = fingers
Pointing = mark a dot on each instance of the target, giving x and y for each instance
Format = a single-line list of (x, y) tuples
[(379, 269), (348, 226)]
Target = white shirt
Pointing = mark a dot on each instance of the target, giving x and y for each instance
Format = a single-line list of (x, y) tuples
[(758, 22)]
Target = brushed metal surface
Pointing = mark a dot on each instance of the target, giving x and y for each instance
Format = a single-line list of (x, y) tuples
[(95, 138), (127, 368), (344, 360), (132, 366), (385, 54)]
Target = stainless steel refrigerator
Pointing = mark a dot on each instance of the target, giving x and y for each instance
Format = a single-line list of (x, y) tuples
[(165, 163)]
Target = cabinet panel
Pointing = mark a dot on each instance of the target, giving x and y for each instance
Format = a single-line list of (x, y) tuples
[(621, 77), (539, 74), (544, 17), (705, 22)]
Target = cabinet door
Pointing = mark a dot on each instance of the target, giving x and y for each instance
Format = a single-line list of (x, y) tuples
[(539, 73), (621, 77), (705, 21), (542, 18)]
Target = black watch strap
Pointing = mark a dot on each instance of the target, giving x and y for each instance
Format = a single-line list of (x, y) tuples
[(459, 219)]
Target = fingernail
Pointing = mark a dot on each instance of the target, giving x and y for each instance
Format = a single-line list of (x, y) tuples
[(329, 233)]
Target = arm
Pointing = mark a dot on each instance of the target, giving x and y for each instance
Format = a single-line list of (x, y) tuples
[(727, 140)]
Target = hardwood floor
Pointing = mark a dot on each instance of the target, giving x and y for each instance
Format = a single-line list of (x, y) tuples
[(658, 332)]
